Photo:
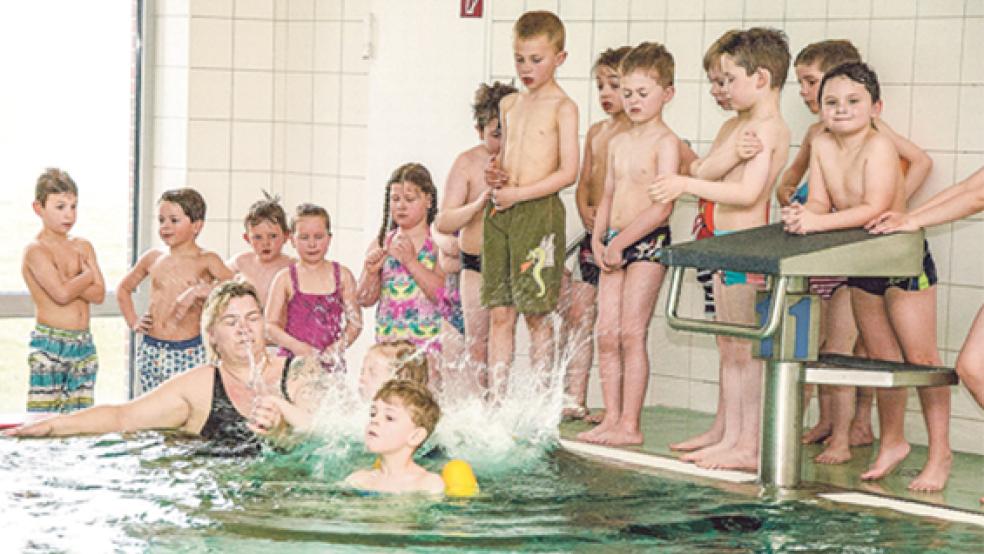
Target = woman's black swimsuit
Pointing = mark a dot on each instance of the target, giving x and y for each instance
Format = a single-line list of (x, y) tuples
[(226, 431)]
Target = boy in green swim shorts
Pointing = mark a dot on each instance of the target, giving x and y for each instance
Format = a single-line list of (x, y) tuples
[(523, 237)]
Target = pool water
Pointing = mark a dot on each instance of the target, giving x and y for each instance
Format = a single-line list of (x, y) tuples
[(148, 492)]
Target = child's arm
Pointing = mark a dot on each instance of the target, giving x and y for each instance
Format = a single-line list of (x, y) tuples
[(456, 211), (96, 292), (353, 312), (920, 164), (218, 271), (668, 163), (370, 280), (745, 193), (951, 204), (719, 161), (43, 269), (563, 176), (603, 214), (124, 292), (447, 243), (429, 280), (581, 193), (687, 157), (276, 316), (879, 187), (791, 178)]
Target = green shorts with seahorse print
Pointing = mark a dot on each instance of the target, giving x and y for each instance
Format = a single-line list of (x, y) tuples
[(523, 255)]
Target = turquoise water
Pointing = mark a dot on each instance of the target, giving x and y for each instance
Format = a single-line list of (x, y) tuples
[(148, 492)]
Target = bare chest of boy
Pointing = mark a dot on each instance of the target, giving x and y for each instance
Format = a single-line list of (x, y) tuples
[(67, 261), (532, 140), (599, 162), (634, 168), (170, 276), (260, 275), (843, 176)]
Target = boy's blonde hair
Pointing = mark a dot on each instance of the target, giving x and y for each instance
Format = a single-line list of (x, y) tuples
[(424, 411), (652, 59), (267, 209), (712, 58), (540, 23), (486, 106), (760, 47), (308, 209), (611, 57), (828, 54), (406, 361), (216, 304), (191, 202), (54, 181)]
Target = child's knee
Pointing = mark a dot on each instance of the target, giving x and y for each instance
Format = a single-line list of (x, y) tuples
[(502, 316), (608, 341), (632, 338)]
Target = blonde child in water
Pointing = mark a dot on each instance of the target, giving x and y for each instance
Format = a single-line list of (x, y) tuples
[(401, 273), (312, 307)]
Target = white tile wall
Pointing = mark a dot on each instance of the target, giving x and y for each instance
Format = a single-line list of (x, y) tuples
[(926, 53)]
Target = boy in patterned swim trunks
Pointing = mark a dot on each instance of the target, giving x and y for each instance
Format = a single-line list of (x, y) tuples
[(855, 177), (180, 280), (523, 237), (64, 279), (629, 233)]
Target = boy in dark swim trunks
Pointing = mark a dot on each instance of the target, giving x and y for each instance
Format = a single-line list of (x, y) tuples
[(629, 232), (855, 177)]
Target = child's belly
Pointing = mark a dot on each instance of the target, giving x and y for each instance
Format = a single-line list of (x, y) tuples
[(628, 203)]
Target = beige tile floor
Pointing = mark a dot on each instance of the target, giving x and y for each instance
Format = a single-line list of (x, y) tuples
[(662, 426)]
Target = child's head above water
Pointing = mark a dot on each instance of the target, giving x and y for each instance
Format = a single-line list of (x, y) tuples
[(815, 60), (537, 24), (485, 111), (189, 200), (411, 198), (607, 78), (266, 227), (55, 200), (392, 360), (759, 49), (404, 414)]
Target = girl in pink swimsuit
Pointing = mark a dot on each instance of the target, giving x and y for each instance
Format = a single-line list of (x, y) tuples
[(312, 308)]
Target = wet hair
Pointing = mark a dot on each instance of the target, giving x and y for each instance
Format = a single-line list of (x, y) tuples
[(611, 57), (308, 209), (859, 73), (651, 58), (417, 174), (406, 361), (54, 181), (216, 304), (828, 54), (424, 411), (760, 47), (191, 202), (266, 209), (712, 58), (540, 23), (486, 106)]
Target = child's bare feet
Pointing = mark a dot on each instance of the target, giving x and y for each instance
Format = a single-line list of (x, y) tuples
[(714, 450), (933, 475), (834, 454), (861, 434), (713, 436), (818, 433), (592, 435), (734, 458), (574, 413), (888, 458), (596, 417), (620, 437)]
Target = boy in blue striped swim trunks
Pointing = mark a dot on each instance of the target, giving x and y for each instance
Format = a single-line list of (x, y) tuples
[(180, 279), (63, 278)]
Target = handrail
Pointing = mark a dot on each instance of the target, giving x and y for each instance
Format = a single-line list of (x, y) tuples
[(716, 327), (572, 246)]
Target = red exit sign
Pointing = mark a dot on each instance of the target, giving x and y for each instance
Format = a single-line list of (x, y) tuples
[(471, 8)]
